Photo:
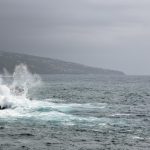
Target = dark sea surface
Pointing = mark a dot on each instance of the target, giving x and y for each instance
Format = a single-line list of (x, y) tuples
[(80, 112)]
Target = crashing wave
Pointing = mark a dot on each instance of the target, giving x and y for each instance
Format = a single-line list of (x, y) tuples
[(17, 89)]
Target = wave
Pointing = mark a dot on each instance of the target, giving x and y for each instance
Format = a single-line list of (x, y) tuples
[(16, 91), (15, 103)]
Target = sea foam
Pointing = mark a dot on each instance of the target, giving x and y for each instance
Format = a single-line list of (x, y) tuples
[(15, 103)]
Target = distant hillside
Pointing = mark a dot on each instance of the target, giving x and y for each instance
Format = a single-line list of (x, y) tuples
[(43, 65)]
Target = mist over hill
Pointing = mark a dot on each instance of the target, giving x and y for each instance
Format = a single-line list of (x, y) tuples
[(42, 65)]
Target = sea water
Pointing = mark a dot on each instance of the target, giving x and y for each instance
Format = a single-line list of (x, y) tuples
[(86, 112)]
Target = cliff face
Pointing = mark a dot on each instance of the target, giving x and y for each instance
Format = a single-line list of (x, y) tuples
[(43, 65)]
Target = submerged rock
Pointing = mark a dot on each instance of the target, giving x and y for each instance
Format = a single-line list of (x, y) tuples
[(5, 107), (4, 103), (2, 108)]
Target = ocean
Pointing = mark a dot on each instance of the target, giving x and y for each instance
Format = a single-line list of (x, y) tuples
[(74, 112)]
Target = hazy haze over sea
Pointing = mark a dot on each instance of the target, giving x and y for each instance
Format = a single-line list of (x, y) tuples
[(110, 34)]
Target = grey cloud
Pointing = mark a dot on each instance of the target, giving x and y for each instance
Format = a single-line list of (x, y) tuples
[(112, 34)]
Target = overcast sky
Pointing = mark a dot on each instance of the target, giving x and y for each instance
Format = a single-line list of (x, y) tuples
[(111, 34)]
